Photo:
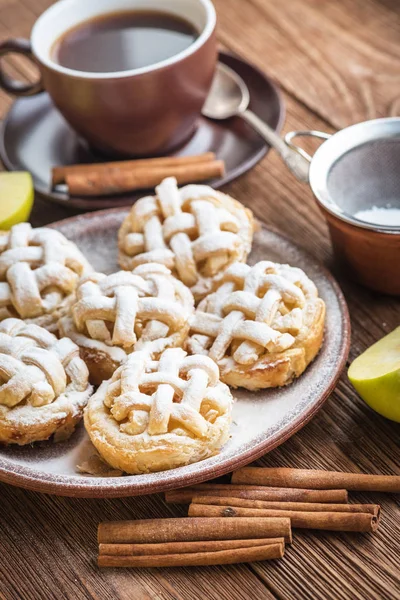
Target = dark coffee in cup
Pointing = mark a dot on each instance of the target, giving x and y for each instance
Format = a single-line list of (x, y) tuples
[(121, 41), (130, 76)]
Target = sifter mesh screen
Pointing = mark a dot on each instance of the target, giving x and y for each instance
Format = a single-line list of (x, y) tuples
[(367, 176)]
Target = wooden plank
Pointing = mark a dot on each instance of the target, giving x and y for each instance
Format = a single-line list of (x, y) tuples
[(365, 19), (342, 76), (346, 435), (51, 552)]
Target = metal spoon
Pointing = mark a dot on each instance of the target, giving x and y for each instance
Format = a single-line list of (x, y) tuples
[(229, 97)]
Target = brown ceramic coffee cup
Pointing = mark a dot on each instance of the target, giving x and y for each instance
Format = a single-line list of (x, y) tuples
[(144, 111)]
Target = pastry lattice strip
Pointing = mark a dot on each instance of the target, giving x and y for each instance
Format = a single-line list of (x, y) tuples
[(183, 231), (38, 268), (256, 309), (36, 367), (139, 308), (169, 394)]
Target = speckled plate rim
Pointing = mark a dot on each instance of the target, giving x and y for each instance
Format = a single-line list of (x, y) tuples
[(107, 487)]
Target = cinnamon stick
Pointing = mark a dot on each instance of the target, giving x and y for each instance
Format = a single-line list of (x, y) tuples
[(372, 509), (183, 547), (59, 173), (332, 521), (102, 183), (188, 530), (253, 492), (306, 478), (195, 559)]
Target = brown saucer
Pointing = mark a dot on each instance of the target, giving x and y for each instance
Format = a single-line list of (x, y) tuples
[(261, 420), (35, 138)]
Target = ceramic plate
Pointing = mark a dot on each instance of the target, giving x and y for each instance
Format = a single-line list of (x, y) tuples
[(261, 420), (35, 138)]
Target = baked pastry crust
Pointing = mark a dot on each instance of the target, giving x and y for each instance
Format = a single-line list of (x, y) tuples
[(43, 384), (39, 271), (263, 325), (158, 415), (195, 231), (113, 315)]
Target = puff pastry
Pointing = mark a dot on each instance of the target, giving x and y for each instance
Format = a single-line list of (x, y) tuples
[(195, 231), (263, 325), (43, 384), (115, 314), (39, 271), (157, 415)]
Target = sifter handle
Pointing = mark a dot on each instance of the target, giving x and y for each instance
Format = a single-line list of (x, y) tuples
[(291, 135)]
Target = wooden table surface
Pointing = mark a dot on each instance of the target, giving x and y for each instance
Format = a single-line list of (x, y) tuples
[(337, 63)]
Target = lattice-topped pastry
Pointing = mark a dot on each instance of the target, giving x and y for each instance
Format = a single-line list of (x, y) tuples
[(195, 231), (39, 270), (115, 314), (160, 414), (43, 384), (263, 325)]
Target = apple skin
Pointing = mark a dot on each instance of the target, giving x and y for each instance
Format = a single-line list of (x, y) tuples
[(382, 393), (23, 210)]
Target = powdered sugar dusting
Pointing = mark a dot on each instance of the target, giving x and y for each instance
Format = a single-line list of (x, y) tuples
[(261, 420)]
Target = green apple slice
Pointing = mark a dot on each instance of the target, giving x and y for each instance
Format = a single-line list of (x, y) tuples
[(375, 375), (16, 198)]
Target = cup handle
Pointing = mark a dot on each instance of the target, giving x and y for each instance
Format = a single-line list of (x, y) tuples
[(7, 83)]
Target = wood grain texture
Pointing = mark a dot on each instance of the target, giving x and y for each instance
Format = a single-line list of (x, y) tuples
[(320, 58), (338, 62)]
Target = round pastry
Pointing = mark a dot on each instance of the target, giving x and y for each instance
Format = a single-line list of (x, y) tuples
[(263, 325), (39, 271), (158, 415), (113, 315), (43, 384), (196, 232)]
